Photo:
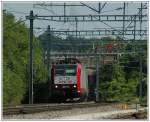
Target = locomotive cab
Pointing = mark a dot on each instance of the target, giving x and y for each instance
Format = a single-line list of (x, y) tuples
[(69, 81)]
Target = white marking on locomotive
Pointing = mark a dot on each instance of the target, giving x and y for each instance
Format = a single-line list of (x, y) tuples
[(65, 80)]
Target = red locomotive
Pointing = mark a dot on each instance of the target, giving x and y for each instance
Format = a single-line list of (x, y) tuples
[(69, 81)]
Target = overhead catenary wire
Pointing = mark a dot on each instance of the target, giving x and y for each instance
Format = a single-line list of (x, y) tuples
[(119, 8), (112, 28), (44, 8), (133, 19)]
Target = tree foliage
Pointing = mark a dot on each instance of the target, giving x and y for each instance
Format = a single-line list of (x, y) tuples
[(120, 82), (16, 60)]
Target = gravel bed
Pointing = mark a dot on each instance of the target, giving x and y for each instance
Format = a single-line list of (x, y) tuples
[(111, 115), (54, 115)]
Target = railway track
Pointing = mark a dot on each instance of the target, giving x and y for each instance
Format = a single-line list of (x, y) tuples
[(34, 108)]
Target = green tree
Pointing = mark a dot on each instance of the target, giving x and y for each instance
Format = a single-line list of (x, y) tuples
[(117, 86), (16, 58)]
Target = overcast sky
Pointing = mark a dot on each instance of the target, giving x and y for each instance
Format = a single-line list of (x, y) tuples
[(22, 9)]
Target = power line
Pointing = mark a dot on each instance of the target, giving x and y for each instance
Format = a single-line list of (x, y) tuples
[(89, 18), (45, 9), (52, 4), (133, 18)]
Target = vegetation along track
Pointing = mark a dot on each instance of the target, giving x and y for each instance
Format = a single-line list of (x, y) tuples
[(34, 108)]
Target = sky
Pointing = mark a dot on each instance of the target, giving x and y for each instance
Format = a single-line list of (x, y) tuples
[(22, 9)]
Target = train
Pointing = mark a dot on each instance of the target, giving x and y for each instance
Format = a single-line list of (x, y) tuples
[(70, 80)]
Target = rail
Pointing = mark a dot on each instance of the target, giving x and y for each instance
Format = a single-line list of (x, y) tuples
[(35, 108)]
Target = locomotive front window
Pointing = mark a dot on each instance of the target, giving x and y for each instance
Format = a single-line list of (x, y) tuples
[(70, 72), (59, 72)]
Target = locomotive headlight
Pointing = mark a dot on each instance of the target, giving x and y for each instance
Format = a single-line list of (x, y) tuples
[(74, 86), (56, 86)]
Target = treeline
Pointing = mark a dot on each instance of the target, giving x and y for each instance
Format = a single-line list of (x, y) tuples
[(16, 60), (120, 82)]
